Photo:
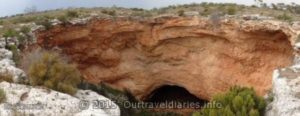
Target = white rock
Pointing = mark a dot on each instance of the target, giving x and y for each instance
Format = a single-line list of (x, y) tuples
[(297, 46), (286, 91), (2, 43), (5, 54), (50, 103), (8, 66), (55, 22), (80, 21)]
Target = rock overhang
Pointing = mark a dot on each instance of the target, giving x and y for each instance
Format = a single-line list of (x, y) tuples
[(142, 55)]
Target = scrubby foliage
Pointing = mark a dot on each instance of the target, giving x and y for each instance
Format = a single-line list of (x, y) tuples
[(5, 76), (109, 12), (47, 68), (16, 55), (45, 22), (180, 12), (9, 33), (72, 14), (239, 101), (2, 95), (231, 10), (284, 17)]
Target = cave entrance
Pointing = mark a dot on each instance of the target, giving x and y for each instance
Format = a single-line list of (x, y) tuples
[(179, 95)]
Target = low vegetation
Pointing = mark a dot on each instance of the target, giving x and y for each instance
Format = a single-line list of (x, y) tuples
[(9, 33), (16, 55), (109, 12), (72, 14), (50, 69), (239, 101), (5, 76), (2, 95)]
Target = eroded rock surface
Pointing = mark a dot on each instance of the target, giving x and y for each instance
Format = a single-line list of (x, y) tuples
[(201, 56)]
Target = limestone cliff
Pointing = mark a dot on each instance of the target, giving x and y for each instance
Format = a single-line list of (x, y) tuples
[(205, 58)]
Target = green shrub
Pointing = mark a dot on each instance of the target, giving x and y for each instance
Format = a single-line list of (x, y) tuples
[(239, 101), (231, 10), (109, 12), (9, 33), (180, 12), (2, 95), (16, 56), (72, 14), (25, 29), (63, 19), (51, 70), (45, 22), (285, 17)]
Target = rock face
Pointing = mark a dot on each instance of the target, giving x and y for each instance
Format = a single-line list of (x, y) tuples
[(34, 101), (202, 56)]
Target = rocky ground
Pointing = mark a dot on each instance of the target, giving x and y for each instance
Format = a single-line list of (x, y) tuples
[(37, 101)]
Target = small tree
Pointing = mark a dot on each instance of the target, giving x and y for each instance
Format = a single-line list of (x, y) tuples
[(50, 69)]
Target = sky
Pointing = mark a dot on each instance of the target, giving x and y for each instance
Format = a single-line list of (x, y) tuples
[(11, 7)]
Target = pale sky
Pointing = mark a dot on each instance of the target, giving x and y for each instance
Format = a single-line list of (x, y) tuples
[(10, 7)]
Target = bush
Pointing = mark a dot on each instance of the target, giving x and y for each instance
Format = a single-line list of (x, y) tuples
[(63, 19), (72, 14), (239, 101), (45, 22), (5, 76), (16, 55), (2, 95), (231, 10), (109, 12), (10, 33), (53, 71), (284, 17), (25, 29), (180, 12)]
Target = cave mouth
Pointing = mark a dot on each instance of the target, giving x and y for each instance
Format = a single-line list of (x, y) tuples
[(169, 93)]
